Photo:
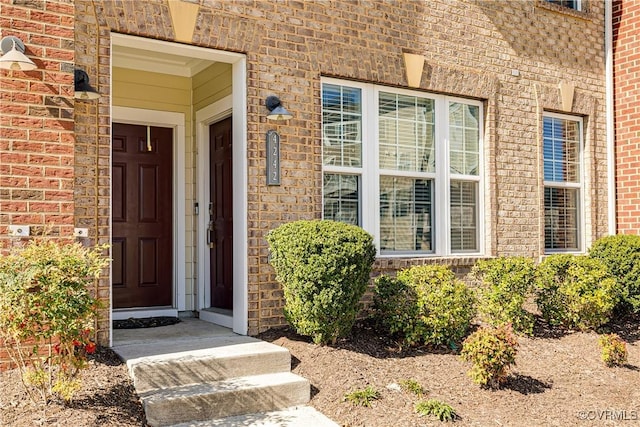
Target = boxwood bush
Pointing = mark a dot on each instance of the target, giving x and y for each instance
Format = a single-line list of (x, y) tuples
[(575, 291), (503, 285), (621, 255), (324, 268), (424, 305)]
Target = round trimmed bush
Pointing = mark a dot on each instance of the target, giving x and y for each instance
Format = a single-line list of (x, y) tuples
[(503, 286), (324, 268), (621, 255), (575, 291), (424, 305)]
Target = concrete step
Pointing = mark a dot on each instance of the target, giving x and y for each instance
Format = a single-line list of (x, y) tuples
[(226, 398), (208, 365), (299, 416)]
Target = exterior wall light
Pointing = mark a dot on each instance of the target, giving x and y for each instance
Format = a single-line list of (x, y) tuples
[(82, 87), (13, 57), (276, 110)]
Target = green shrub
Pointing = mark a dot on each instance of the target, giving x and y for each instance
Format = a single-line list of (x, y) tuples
[(412, 386), (440, 410), (324, 268), (614, 350), (575, 291), (363, 397), (47, 313), (621, 255), (503, 285), (424, 305), (491, 351)]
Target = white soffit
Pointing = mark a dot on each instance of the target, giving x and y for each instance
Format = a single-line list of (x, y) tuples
[(158, 56), (157, 62)]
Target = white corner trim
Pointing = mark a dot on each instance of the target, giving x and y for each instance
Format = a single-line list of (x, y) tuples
[(240, 200), (237, 105), (609, 120)]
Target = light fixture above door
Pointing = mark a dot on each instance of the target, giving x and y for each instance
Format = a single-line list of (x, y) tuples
[(82, 87)]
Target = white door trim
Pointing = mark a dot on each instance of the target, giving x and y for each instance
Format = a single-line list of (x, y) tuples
[(236, 104), (240, 321), (240, 197), (176, 121)]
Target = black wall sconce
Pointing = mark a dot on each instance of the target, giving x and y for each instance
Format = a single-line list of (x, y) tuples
[(276, 110), (82, 87)]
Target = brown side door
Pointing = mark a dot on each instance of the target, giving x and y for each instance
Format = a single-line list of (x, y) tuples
[(142, 207), (220, 215)]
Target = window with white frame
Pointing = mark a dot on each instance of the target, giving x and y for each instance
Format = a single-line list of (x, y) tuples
[(571, 4), (563, 185), (404, 165)]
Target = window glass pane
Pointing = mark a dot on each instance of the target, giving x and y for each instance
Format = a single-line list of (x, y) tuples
[(342, 198), (341, 126), (406, 214), (571, 4), (464, 214), (561, 218), (464, 138), (406, 133), (561, 150)]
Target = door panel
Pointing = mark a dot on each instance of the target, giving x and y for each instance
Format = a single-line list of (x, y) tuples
[(142, 180), (220, 212), (119, 199)]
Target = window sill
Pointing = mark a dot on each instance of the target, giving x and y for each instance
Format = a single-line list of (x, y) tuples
[(386, 263)]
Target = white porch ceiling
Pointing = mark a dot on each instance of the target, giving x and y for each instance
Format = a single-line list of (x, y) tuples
[(157, 61)]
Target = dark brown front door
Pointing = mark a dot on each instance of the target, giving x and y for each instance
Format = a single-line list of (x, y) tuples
[(220, 211), (142, 216)]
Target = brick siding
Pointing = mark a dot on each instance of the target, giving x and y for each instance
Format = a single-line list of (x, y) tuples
[(37, 123), (511, 55), (626, 39)]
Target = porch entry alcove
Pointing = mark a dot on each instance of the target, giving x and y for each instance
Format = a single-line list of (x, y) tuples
[(179, 182)]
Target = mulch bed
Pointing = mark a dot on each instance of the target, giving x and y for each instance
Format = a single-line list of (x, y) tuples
[(107, 398), (559, 380)]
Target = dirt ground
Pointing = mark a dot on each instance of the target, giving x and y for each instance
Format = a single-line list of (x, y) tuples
[(558, 380), (107, 398)]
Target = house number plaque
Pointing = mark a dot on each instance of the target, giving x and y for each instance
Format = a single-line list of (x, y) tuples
[(273, 158)]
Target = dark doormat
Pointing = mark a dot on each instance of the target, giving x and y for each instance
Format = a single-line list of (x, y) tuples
[(145, 322)]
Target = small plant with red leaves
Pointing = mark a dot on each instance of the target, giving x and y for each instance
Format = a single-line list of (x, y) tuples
[(614, 350), (47, 313), (491, 351)]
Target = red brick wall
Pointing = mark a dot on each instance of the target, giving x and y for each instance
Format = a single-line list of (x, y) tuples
[(626, 39), (37, 122)]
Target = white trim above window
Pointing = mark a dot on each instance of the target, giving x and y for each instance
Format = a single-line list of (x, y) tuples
[(407, 166)]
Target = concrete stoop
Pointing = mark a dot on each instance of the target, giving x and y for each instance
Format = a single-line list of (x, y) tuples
[(299, 416), (219, 381)]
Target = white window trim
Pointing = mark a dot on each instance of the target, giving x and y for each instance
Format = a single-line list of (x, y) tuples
[(577, 8), (370, 171), (580, 186)]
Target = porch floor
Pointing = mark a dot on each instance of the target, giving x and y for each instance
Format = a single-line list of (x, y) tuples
[(186, 329)]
